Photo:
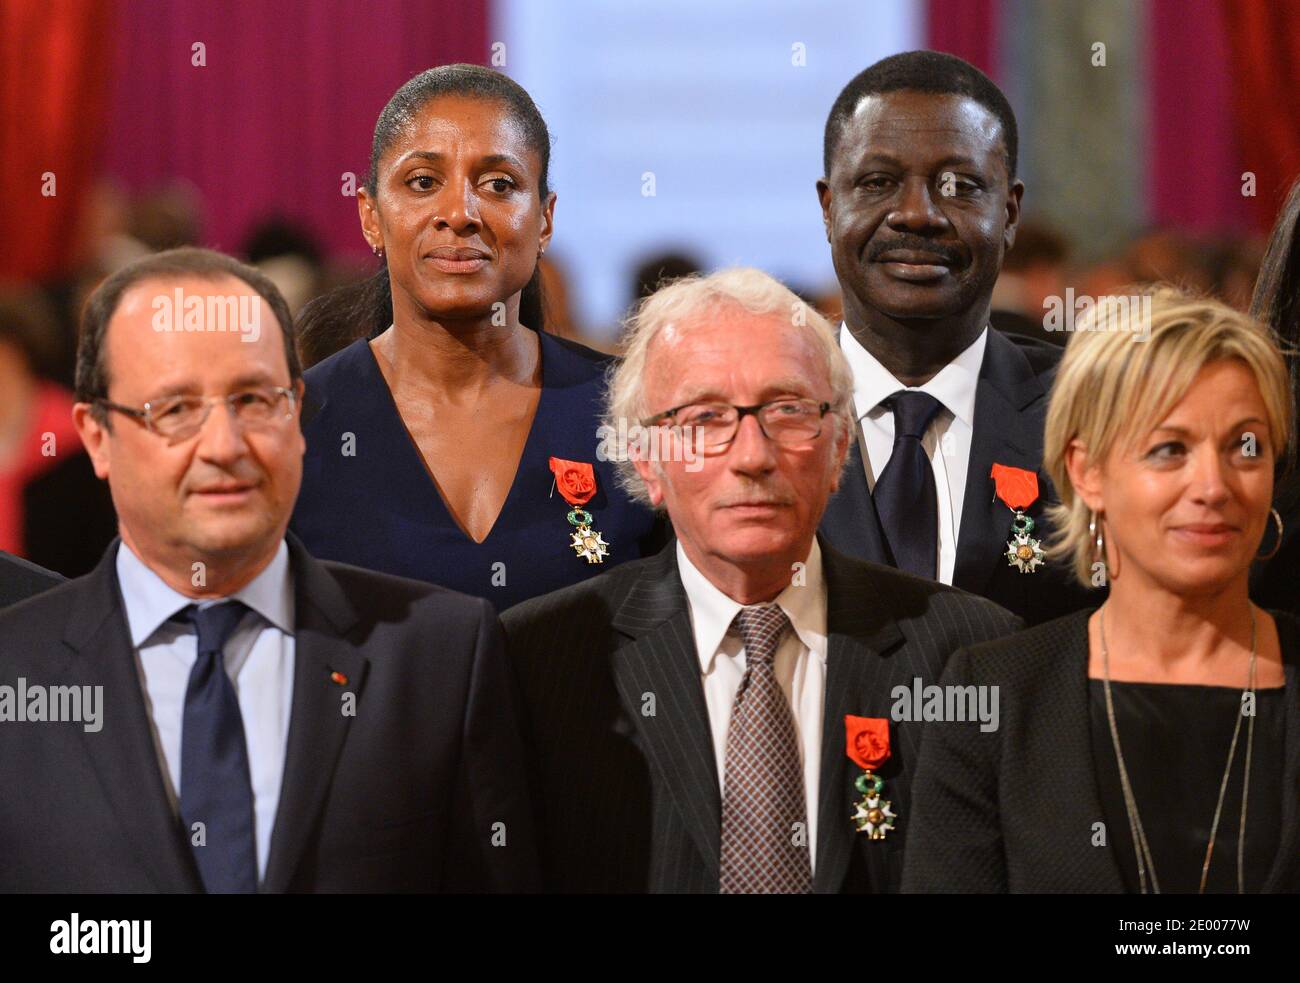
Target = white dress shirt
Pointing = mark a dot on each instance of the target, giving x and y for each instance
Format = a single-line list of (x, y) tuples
[(800, 665), (951, 429), (259, 658)]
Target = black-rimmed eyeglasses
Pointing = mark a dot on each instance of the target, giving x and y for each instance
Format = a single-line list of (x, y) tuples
[(785, 421)]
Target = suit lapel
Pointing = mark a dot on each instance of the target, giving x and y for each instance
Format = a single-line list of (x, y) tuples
[(1100, 868), (317, 724), (1003, 434), (850, 522), (123, 753), (663, 661), (859, 636)]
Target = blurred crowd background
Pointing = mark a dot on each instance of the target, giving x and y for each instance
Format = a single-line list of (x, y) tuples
[(1157, 140)]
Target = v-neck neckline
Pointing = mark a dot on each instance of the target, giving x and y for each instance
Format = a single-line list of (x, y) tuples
[(416, 459)]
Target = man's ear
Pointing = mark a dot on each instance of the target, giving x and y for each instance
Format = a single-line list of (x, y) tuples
[(844, 436), (1014, 195), (1085, 476), (824, 197), (650, 473), (94, 435)]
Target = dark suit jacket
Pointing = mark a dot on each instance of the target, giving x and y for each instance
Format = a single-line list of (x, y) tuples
[(1013, 809), (402, 796), (20, 579), (1010, 412), (629, 801)]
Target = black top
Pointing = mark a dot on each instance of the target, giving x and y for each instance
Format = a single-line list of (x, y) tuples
[(1175, 741), (1016, 807)]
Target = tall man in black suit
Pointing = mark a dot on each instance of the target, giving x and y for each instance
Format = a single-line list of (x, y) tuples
[(212, 709), (20, 579), (920, 200), (688, 711)]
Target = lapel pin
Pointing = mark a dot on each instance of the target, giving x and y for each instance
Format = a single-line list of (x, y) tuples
[(339, 678)]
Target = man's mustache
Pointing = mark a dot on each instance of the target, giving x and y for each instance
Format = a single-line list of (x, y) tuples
[(920, 244)]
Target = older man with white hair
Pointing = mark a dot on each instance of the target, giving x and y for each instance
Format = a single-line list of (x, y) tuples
[(721, 717)]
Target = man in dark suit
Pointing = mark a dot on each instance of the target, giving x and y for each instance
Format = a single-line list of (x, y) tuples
[(20, 579), (689, 710), (920, 202), (212, 709)]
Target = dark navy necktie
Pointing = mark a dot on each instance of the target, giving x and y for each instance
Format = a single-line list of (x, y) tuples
[(905, 496), (216, 789)]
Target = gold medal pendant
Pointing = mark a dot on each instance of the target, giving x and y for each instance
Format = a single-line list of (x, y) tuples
[(586, 542), (1024, 552), (872, 814)]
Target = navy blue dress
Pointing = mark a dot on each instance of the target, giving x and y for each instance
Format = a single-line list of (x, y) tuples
[(377, 506)]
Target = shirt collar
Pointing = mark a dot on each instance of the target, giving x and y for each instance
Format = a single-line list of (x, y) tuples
[(712, 611), (954, 386), (150, 602)]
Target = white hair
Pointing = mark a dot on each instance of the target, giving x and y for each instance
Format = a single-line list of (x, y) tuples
[(679, 304)]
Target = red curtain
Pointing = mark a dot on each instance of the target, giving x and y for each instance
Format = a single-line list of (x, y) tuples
[(1265, 45), (965, 28), (283, 104), (53, 95)]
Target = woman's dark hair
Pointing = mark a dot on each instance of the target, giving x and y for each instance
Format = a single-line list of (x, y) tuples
[(1277, 290), (366, 309)]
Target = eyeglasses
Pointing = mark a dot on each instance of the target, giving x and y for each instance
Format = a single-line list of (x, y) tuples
[(785, 421), (178, 418)]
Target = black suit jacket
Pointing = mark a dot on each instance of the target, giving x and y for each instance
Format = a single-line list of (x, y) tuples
[(1013, 809), (20, 579), (1010, 412), (627, 792), (404, 795)]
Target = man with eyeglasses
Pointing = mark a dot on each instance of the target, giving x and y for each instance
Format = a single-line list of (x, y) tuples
[(263, 721), (690, 712)]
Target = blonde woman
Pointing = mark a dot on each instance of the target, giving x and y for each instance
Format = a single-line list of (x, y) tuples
[(1153, 744)]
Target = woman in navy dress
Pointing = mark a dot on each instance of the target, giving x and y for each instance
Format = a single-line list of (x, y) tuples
[(454, 441)]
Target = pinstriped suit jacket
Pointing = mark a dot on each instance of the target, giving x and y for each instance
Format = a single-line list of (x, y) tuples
[(625, 778)]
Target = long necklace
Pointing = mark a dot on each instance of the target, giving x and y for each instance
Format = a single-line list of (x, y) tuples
[(1145, 861)]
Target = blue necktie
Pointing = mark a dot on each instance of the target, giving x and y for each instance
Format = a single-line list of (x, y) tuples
[(905, 497), (216, 789)]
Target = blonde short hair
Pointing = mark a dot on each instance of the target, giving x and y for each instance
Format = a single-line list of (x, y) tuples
[(681, 302), (1126, 367)]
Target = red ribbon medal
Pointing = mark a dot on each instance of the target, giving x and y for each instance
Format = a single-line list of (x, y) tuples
[(576, 481), (1018, 490), (867, 744)]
